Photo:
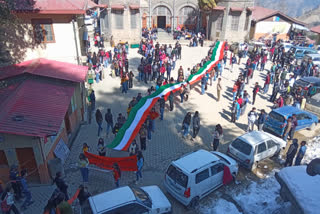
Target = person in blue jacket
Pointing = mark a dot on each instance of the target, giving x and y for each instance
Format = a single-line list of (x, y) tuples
[(139, 165), (301, 153), (261, 119)]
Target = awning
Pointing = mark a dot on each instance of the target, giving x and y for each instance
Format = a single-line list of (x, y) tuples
[(134, 6), (117, 6), (299, 27), (219, 8), (236, 9)]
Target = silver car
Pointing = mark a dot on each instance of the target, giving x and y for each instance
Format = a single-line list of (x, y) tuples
[(253, 147)]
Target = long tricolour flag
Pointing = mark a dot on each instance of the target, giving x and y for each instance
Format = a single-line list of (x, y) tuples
[(140, 111)]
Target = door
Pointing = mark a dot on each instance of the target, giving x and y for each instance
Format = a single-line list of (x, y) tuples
[(27, 161), (161, 21), (202, 183), (261, 152), (272, 147), (67, 123), (216, 175), (303, 121)]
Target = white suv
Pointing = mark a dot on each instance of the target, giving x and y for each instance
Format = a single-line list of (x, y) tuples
[(146, 200), (197, 174)]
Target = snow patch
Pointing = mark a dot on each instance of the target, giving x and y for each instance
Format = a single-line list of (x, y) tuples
[(220, 206), (313, 150)]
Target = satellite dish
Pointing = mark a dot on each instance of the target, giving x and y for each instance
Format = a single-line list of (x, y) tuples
[(313, 168)]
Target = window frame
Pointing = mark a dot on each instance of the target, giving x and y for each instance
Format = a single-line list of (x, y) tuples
[(219, 22), (246, 24), (116, 13), (235, 21), (197, 181), (273, 144), (263, 143), (43, 22), (216, 166), (133, 13)]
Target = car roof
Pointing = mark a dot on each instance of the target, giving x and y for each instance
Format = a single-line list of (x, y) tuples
[(287, 110), (195, 160), (310, 79), (254, 137), (112, 198), (313, 55)]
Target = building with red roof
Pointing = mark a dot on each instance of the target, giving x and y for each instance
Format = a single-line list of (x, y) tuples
[(49, 29), (43, 104), (267, 22)]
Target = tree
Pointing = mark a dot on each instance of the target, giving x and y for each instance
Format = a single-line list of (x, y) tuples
[(207, 4), (13, 31)]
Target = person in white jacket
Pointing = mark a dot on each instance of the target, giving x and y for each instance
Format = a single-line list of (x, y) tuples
[(252, 117)]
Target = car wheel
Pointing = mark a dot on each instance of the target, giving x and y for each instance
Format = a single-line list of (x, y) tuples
[(313, 125), (193, 203)]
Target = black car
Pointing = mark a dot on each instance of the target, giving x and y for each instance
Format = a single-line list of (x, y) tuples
[(305, 83)]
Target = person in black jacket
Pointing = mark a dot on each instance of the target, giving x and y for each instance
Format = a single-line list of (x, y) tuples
[(83, 198), (254, 92), (99, 120), (162, 105), (186, 124), (291, 152), (62, 186), (109, 119), (196, 124)]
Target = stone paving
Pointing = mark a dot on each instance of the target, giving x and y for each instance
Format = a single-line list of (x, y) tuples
[(166, 144)]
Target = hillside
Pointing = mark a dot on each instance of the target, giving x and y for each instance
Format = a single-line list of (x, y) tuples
[(312, 18), (293, 8)]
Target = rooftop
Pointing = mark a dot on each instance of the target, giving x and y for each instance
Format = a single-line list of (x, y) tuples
[(315, 29), (47, 68), (34, 106), (195, 160)]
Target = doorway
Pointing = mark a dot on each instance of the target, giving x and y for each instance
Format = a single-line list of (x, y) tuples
[(27, 161), (161, 20)]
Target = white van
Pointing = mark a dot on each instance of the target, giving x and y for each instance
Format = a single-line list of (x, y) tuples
[(195, 175), (255, 146)]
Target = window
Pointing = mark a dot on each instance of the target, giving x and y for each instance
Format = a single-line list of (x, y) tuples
[(133, 208), (262, 147), (3, 158), (43, 30), (271, 144), (177, 176), (201, 176), (118, 16), (219, 22), (246, 25), (133, 19), (216, 169), (235, 21), (277, 117), (242, 146)]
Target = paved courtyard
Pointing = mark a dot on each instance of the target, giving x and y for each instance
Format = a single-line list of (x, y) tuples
[(166, 144)]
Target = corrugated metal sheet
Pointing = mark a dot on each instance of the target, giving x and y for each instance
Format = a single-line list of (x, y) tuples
[(35, 107), (53, 6), (47, 68)]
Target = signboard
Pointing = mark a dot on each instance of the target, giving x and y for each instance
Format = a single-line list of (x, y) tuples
[(61, 151)]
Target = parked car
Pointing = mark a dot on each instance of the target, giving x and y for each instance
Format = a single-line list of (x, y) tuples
[(314, 57), (195, 175), (251, 46), (300, 53), (286, 46), (277, 119), (313, 104), (305, 83), (253, 147), (149, 199)]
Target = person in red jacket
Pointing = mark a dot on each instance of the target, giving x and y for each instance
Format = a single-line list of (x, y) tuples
[(153, 115), (267, 83), (116, 174)]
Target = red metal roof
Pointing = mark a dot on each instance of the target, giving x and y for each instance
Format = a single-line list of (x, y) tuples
[(261, 13), (47, 68), (117, 6), (316, 29), (34, 107), (219, 8), (236, 9), (53, 6), (134, 6)]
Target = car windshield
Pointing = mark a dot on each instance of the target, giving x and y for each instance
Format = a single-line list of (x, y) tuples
[(276, 116), (242, 146), (177, 176), (141, 196)]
